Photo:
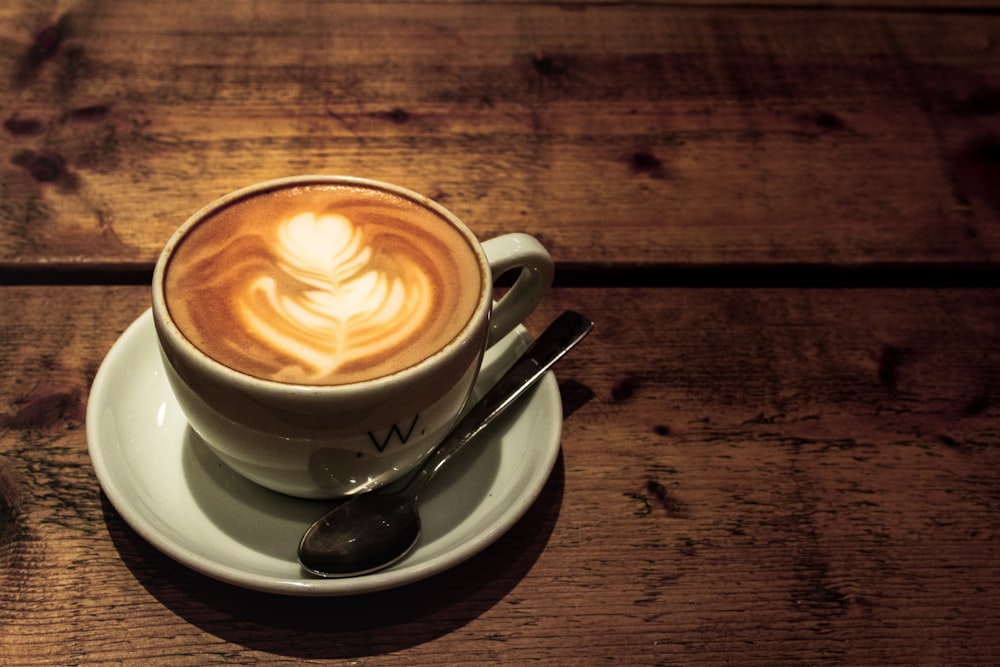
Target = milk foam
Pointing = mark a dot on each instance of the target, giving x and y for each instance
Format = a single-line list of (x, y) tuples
[(331, 294), (331, 306)]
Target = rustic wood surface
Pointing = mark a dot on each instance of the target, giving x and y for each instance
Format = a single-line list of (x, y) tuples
[(784, 477), (663, 135), (795, 463)]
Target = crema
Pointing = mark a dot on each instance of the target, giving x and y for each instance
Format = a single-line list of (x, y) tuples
[(322, 284)]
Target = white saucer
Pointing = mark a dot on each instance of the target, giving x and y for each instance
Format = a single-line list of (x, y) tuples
[(178, 496)]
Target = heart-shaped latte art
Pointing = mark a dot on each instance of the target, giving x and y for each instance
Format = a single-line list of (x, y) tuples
[(333, 300), (323, 285)]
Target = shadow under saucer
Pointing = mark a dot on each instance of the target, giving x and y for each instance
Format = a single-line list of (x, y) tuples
[(352, 626)]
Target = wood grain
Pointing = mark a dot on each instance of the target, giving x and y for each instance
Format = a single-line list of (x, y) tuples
[(663, 135), (753, 476), (757, 477)]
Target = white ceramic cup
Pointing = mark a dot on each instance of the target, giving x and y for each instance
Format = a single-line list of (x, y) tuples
[(329, 441)]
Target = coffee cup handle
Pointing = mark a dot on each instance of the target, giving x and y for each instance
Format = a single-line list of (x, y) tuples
[(517, 251)]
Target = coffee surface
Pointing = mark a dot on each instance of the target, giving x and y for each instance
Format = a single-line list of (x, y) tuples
[(322, 284)]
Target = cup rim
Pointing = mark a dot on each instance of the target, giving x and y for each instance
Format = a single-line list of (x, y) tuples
[(166, 326)]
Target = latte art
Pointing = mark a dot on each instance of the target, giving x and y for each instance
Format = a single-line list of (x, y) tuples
[(332, 307), (322, 285)]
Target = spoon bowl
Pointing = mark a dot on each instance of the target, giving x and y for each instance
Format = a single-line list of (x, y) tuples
[(387, 525), (370, 531)]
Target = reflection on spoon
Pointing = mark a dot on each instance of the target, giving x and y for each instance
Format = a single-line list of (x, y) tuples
[(371, 531)]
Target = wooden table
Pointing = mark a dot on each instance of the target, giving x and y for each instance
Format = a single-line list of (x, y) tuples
[(781, 444)]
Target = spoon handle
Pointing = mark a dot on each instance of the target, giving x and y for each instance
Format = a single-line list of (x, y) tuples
[(559, 338)]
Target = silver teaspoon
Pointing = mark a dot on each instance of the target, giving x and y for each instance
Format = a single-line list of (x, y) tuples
[(370, 531)]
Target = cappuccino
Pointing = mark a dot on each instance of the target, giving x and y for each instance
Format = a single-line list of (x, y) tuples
[(322, 284)]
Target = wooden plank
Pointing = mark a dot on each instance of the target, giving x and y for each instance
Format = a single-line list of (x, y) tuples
[(758, 477), (660, 135)]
